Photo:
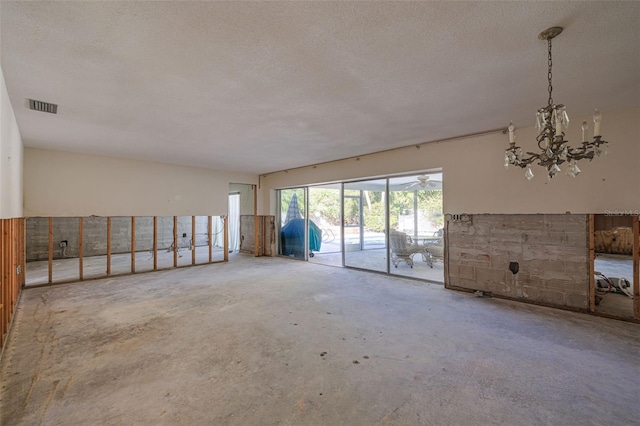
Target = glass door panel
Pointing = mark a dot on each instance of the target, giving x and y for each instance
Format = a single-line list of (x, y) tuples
[(324, 220), (364, 225), (293, 238), (416, 222)]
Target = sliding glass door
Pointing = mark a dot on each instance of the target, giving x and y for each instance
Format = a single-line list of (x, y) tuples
[(391, 225), (324, 215), (416, 222), (364, 225), (293, 238)]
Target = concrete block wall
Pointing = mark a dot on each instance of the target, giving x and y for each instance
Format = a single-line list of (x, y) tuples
[(94, 231), (552, 252)]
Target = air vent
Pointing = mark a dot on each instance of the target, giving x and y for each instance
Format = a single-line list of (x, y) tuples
[(43, 106)]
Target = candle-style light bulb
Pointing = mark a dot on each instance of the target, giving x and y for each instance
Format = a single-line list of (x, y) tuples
[(597, 118), (512, 136), (585, 127), (558, 118)]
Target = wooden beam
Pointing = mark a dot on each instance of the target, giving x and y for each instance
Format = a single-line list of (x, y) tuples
[(80, 248), (11, 253), (265, 229), (22, 252), (109, 246), (155, 243), (4, 278), (636, 267), (193, 240), (592, 260), (209, 237), (256, 223), (175, 241), (50, 250), (133, 244), (226, 238)]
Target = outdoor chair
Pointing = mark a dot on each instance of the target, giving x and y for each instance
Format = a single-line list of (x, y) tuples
[(402, 248)]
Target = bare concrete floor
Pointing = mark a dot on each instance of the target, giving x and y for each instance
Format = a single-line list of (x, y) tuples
[(272, 341)]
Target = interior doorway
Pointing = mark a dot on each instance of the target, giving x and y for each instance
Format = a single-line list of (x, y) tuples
[(613, 263), (234, 222), (242, 214)]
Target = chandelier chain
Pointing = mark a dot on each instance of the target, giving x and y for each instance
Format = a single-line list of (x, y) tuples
[(549, 75)]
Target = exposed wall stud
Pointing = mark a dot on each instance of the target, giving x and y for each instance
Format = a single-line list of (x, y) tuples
[(636, 267), (109, 246), (175, 241), (592, 258), (193, 240), (133, 244), (256, 224), (209, 237), (226, 238), (80, 248), (50, 250), (155, 243)]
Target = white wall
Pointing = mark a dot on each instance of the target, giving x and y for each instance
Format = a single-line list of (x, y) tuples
[(475, 180), (65, 184), (246, 197), (11, 152)]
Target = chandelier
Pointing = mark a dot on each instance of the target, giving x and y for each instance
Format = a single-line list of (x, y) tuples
[(554, 150)]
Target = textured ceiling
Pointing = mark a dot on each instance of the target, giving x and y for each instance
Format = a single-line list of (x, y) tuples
[(260, 87)]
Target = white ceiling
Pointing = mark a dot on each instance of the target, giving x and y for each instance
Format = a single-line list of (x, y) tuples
[(260, 87)]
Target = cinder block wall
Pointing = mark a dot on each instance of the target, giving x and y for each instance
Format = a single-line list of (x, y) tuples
[(552, 252), (94, 231)]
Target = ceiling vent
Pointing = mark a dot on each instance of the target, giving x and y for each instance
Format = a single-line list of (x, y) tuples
[(43, 106)]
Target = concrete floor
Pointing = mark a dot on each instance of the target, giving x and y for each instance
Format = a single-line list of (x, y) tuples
[(273, 341)]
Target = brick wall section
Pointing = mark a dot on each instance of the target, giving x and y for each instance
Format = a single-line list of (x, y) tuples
[(94, 231), (552, 252)]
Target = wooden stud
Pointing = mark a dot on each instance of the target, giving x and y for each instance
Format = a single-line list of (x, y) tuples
[(11, 268), (155, 243), (226, 238), (4, 278), (256, 223), (12, 259), (50, 250), (108, 246), (263, 232), (175, 241), (636, 267), (209, 237), (592, 260), (23, 251), (193, 240), (80, 248), (133, 244)]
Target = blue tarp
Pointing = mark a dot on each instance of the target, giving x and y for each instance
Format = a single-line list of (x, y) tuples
[(292, 237)]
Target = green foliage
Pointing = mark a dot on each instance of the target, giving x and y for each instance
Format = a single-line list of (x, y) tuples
[(374, 219), (326, 203)]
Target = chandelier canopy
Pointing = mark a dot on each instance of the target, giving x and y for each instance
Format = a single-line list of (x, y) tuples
[(554, 150)]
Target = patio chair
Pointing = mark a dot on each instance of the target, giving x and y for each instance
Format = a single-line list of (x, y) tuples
[(402, 248)]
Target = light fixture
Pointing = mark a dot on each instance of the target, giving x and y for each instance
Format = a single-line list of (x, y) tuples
[(554, 149)]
